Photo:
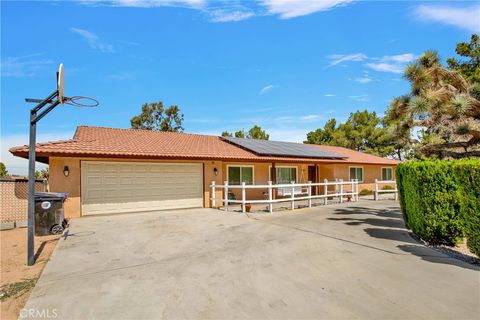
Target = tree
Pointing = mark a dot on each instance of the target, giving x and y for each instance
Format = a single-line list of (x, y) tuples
[(255, 132), (3, 170), (41, 174), (323, 136), (442, 103), (469, 69), (226, 134), (156, 118), (400, 134), (361, 132)]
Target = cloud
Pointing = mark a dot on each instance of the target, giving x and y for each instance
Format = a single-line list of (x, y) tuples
[(393, 64), (24, 66), (310, 118), (339, 58), (287, 9), (465, 18), (228, 15), (16, 165), (363, 80), (151, 3), (267, 89), (329, 95), (93, 40), (360, 98)]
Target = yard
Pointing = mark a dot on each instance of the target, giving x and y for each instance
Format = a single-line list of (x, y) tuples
[(353, 260), (18, 280)]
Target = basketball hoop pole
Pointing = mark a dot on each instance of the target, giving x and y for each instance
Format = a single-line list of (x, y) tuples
[(36, 114)]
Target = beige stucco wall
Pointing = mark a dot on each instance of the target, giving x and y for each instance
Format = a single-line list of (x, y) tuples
[(72, 184)]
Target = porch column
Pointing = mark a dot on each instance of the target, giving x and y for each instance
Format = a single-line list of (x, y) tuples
[(273, 175)]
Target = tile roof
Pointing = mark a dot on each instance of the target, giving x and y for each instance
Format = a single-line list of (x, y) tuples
[(132, 143)]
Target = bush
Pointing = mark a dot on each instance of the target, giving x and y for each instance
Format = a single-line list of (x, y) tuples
[(388, 187), (365, 192), (440, 200)]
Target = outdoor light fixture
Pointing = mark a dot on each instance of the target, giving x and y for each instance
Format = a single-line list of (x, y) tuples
[(215, 171), (66, 171)]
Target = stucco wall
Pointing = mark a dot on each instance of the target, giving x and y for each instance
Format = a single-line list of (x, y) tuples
[(72, 184)]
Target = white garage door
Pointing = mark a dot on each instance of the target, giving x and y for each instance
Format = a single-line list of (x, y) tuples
[(115, 187)]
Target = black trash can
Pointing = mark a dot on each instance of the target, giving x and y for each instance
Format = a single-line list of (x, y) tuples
[(49, 217)]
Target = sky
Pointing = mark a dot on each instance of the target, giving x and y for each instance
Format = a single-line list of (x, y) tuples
[(286, 65)]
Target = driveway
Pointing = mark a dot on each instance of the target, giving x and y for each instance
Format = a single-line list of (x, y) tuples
[(351, 260)]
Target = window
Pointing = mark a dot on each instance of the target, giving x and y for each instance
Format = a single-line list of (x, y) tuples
[(387, 174), (286, 174), (239, 174), (356, 173)]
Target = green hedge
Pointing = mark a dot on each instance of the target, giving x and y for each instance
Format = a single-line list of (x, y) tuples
[(440, 200)]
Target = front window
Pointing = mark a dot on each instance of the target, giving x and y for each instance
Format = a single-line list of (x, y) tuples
[(387, 174), (237, 175), (286, 175), (356, 173)]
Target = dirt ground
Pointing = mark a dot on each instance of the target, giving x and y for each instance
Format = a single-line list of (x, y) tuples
[(17, 279)]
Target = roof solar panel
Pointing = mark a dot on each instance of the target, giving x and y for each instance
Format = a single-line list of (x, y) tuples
[(280, 148)]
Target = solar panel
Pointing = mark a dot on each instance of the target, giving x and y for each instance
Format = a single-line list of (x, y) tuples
[(280, 148)]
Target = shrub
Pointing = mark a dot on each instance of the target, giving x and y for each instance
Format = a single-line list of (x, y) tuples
[(388, 187), (365, 192), (440, 200)]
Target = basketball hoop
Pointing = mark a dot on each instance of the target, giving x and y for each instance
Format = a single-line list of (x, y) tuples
[(43, 107), (87, 101)]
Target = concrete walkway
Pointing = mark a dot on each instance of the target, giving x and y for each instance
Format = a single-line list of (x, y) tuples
[(351, 260)]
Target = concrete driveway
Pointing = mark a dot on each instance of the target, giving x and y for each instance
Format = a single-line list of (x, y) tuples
[(352, 260)]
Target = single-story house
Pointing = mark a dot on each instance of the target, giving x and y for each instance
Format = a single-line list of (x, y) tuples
[(109, 170)]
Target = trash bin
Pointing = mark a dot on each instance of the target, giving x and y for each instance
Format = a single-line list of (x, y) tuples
[(49, 213)]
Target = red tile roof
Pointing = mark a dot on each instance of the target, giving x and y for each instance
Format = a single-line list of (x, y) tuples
[(133, 143)]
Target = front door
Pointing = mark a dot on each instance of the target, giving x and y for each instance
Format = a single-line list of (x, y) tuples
[(312, 176)]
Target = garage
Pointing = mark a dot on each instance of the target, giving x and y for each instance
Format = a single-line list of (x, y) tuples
[(119, 187)]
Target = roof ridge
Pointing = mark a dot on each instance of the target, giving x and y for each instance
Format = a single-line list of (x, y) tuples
[(145, 130)]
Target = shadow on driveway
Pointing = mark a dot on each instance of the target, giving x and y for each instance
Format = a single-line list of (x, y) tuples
[(389, 225)]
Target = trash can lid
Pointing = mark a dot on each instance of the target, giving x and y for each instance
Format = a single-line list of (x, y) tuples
[(51, 195)]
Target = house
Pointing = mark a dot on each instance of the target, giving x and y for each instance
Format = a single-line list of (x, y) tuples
[(108, 170)]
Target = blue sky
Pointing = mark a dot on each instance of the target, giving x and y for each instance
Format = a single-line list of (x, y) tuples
[(286, 65)]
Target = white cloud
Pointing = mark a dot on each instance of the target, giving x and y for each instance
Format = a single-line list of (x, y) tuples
[(93, 40), (24, 66), (295, 8), (267, 89), (465, 18), (393, 64), (329, 95), (363, 80), (16, 165), (155, 3), (310, 118), (339, 58), (360, 98), (227, 15)]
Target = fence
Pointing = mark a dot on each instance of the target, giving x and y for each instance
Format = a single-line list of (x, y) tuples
[(377, 191), (289, 192), (14, 200)]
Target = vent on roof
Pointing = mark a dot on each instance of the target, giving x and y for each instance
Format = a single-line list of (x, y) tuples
[(279, 148)]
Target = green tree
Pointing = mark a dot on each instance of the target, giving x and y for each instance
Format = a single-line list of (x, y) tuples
[(470, 68), (254, 132), (41, 174), (3, 170), (323, 136), (442, 103), (156, 118), (363, 131), (400, 134)]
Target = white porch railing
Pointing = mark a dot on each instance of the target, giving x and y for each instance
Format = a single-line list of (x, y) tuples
[(377, 190), (291, 192)]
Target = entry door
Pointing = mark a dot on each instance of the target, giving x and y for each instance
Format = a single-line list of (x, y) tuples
[(312, 176), (117, 187)]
